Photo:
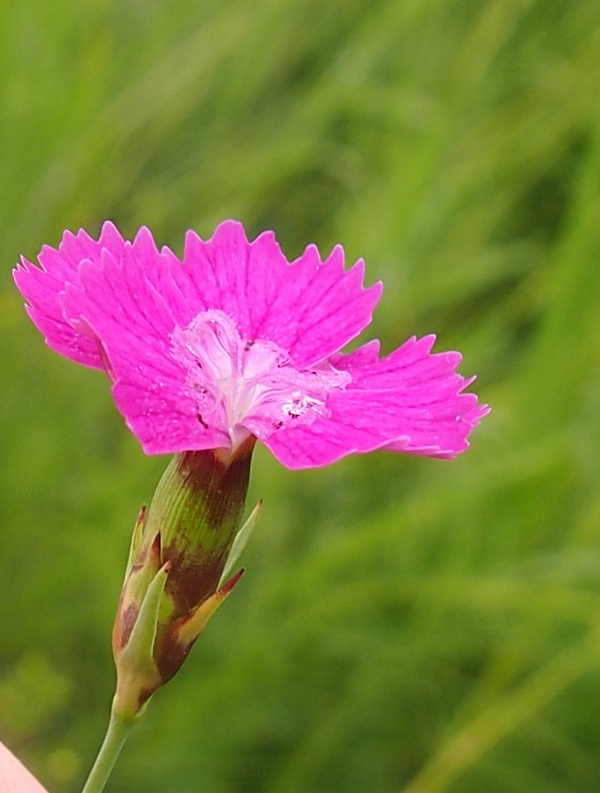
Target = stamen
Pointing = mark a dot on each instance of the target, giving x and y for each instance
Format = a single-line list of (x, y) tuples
[(248, 386)]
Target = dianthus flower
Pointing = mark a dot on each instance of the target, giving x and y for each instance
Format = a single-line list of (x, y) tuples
[(234, 341)]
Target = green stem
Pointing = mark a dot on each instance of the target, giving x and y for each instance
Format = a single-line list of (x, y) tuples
[(116, 734)]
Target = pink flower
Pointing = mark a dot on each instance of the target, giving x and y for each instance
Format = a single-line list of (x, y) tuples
[(14, 777), (236, 341)]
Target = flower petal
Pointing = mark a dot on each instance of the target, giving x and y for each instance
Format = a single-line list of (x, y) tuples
[(42, 287), (410, 401), (310, 308), (162, 415), (118, 303)]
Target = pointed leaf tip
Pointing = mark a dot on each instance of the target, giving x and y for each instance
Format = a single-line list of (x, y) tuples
[(191, 628), (240, 542)]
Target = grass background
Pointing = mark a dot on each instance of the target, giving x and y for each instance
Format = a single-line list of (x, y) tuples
[(404, 625)]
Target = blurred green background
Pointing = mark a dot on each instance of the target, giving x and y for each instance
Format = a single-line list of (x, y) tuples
[(405, 624)]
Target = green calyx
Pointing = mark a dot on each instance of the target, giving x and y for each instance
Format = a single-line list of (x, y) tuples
[(182, 551)]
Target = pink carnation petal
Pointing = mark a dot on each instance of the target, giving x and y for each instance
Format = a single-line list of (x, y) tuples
[(118, 302), (121, 307), (43, 286), (410, 401), (309, 308), (162, 415), (14, 777), (159, 268), (62, 338)]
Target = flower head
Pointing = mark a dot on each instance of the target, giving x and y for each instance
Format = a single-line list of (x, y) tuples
[(235, 341)]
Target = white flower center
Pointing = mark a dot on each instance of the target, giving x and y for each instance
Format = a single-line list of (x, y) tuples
[(248, 386)]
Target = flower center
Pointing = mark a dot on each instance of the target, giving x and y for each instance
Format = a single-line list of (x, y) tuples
[(248, 386)]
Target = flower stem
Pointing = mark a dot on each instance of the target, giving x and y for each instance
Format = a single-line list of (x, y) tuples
[(116, 734)]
